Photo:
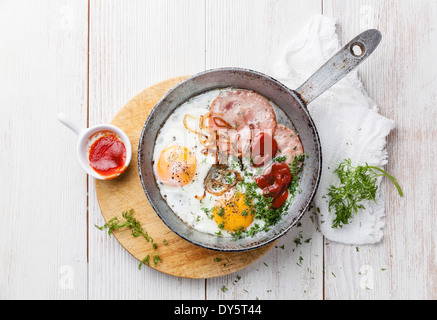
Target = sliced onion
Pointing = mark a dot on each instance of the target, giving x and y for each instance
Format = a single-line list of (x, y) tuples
[(200, 198), (186, 125), (210, 135), (219, 122), (216, 176), (202, 120)]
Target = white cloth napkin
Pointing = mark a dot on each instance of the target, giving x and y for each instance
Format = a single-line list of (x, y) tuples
[(348, 124)]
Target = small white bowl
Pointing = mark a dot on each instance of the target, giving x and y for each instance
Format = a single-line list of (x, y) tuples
[(85, 141)]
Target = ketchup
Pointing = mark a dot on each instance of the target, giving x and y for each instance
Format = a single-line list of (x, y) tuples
[(274, 183), (107, 155)]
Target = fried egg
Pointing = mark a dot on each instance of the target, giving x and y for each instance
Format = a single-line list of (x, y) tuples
[(232, 212), (176, 166)]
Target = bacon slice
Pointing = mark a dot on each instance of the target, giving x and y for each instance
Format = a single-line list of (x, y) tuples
[(289, 144)]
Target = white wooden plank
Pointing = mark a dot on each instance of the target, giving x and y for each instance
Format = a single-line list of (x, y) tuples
[(134, 44), (401, 78), (252, 34), (43, 71)]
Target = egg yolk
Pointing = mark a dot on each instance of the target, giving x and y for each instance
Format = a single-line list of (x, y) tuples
[(176, 166), (233, 213)]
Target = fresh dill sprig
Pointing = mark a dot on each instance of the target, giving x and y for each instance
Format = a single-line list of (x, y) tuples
[(134, 225), (129, 222), (356, 184)]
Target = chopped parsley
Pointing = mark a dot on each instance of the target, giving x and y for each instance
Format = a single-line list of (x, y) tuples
[(279, 159)]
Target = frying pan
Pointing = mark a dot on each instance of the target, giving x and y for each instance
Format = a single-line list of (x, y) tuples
[(291, 111)]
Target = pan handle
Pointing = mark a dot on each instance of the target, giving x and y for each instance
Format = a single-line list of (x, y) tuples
[(343, 62)]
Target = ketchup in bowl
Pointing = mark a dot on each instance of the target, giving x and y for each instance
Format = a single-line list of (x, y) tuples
[(107, 154)]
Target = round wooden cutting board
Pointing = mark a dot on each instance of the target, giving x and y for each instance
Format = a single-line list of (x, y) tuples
[(179, 257)]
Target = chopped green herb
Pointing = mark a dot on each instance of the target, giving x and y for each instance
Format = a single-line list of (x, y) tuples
[(156, 258), (128, 221), (144, 261), (300, 261), (297, 241), (221, 212), (356, 184), (230, 177), (279, 159)]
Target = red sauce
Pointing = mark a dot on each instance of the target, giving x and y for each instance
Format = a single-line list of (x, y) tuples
[(274, 182), (107, 155), (263, 148)]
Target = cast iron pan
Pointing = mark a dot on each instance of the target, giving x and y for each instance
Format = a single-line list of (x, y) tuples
[(292, 112)]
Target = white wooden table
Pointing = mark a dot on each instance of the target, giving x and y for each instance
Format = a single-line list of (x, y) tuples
[(87, 58)]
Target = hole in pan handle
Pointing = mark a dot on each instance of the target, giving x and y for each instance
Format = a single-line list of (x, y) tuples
[(343, 62)]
